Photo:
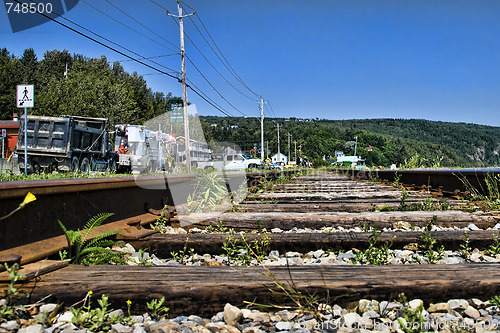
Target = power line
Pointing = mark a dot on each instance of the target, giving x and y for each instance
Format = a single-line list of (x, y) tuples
[(156, 3), (159, 56), (99, 42), (197, 92), (201, 34), (141, 24), (205, 78), (207, 99), (232, 71), (126, 26)]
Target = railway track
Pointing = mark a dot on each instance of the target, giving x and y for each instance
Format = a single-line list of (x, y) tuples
[(317, 212)]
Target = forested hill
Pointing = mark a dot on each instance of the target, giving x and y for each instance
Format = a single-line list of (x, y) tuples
[(477, 142), (414, 143)]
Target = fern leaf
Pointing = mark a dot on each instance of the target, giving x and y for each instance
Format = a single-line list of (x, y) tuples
[(93, 223)]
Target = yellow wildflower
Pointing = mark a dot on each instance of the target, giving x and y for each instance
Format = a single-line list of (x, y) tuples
[(30, 197), (129, 302), (90, 292)]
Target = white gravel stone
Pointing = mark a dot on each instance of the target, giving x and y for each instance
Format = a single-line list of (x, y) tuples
[(352, 320), (10, 325), (283, 325), (32, 329), (49, 307), (231, 314), (415, 303), (472, 227)]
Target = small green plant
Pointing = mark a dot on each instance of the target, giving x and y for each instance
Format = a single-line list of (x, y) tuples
[(414, 317), (142, 259), (84, 250), (427, 243), (242, 251), (209, 192), (183, 255), (494, 247), (396, 181), (378, 253), (404, 196), (8, 310), (495, 300), (157, 308), (94, 319), (465, 247)]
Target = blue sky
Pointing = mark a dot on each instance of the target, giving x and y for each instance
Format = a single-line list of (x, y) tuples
[(436, 60)]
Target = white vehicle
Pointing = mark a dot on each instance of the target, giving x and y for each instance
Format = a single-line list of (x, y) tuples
[(139, 149), (231, 162)]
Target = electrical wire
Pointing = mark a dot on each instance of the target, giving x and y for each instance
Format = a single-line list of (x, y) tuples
[(197, 91), (205, 78), (161, 37), (230, 69), (99, 42), (125, 25), (160, 56), (201, 34)]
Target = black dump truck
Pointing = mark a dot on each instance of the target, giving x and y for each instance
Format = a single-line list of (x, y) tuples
[(66, 143)]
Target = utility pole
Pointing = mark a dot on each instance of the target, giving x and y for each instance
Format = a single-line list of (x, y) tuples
[(289, 136), (187, 150), (279, 154), (261, 106), (355, 145), (295, 142)]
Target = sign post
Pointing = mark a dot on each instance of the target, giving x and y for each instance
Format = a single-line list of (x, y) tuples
[(25, 99), (4, 134)]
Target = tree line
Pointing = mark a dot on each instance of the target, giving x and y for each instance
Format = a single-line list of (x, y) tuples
[(68, 84), (409, 143)]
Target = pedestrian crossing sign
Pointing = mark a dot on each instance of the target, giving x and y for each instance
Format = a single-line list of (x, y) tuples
[(25, 96)]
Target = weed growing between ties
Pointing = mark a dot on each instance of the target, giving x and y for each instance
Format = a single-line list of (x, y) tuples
[(84, 250), (212, 191), (377, 252), (483, 199), (241, 251), (184, 255), (427, 243), (413, 318), (8, 310)]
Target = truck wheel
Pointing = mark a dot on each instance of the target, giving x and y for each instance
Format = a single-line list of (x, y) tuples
[(36, 168), (85, 165), (52, 167), (75, 163), (252, 166)]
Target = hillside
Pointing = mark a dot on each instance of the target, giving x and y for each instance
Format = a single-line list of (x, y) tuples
[(414, 143)]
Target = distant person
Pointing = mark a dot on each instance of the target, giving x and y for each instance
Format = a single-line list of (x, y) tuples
[(394, 166)]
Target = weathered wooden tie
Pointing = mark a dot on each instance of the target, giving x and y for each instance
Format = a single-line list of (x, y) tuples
[(205, 290), (163, 244), (329, 218)]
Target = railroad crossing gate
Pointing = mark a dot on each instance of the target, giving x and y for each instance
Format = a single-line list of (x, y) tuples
[(25, 96)]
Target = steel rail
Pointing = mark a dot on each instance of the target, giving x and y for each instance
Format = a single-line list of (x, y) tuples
[(74, 201)]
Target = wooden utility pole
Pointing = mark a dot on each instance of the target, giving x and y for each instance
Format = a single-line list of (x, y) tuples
[(289, 136), (261, 128), (187, 150), (279, 153)]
